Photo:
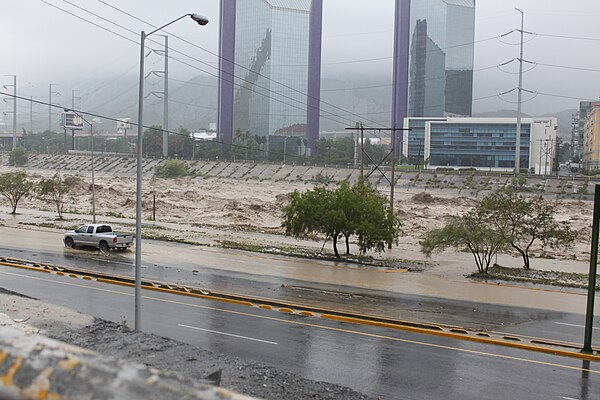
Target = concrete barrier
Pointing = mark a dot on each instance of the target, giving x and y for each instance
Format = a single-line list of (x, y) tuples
[(36, 367)]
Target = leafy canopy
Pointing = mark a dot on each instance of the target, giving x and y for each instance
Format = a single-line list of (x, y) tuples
[(14, 186), (54, 189), (348, 210)]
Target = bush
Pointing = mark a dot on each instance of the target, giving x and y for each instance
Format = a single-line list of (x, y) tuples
[(172, 169), (18, 157)]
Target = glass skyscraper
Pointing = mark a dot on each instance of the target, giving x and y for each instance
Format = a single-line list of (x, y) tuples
[(433, 58), (270, 67)]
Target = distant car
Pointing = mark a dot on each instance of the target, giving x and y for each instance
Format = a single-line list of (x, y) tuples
[(100, 236)]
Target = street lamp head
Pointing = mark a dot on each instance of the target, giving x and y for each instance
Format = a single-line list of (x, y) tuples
[(200, 19)]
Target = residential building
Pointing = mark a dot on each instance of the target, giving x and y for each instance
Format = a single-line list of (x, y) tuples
[(269, 67), (584, 108), (433, 59), (482, 143), (591, 139)]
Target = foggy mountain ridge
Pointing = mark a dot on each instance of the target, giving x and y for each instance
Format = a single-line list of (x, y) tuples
[(193, 103)]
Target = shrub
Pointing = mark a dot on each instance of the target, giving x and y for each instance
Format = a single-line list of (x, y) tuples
[(18, 157), (172, 169)]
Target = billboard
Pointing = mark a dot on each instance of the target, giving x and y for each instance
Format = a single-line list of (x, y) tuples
[(123, 124), (73, 121)]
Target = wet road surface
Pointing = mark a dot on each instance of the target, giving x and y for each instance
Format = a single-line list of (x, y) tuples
[(375, 361), (198, 271)]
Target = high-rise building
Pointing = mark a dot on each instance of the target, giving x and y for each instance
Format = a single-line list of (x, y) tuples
[(433, 59), (270, 67)]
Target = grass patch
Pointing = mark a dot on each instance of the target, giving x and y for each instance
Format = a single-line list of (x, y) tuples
[(536, 277)]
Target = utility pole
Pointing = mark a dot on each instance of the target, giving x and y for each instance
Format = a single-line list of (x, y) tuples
[(166, 101), (73, 130), (50, 93), (30, 114), (393, 184), (390, 154), (355, 140), (15, 112), (519, 101), (362, 151)]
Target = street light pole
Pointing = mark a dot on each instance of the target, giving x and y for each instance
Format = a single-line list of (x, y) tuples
[(92, 151), (138, 197)]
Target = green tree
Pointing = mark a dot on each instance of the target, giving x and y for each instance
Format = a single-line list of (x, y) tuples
[(18, 157), (14, 186), (468, 233), (172, 169), (374, 222), (349, 210), (522, 221), (152, 141), (54, 189)]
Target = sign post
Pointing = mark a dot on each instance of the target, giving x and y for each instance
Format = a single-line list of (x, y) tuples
[(589, 315)]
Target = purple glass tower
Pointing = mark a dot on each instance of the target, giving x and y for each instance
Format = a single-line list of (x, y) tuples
[(401, 62), (269, 79)]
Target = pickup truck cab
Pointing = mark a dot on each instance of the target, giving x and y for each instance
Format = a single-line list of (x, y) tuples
[(100, 236)]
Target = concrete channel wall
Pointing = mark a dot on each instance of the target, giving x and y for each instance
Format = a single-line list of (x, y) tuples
[(465, 182), (35, 367)]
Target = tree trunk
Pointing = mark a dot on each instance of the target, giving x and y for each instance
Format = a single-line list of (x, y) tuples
[(335, 250), (14, 208), (347, 244)]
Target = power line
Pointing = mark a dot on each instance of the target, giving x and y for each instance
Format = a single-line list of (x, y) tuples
[(233, 82), (239, 65), (197, 60), (91, 114), (568, 37)]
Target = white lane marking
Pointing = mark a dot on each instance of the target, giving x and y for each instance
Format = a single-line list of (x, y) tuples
[(578, 326), (569, 398), (226, 334)]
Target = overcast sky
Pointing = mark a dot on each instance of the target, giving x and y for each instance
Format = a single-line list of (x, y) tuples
[(41, 45)]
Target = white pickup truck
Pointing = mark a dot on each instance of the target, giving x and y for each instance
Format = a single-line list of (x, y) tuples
[(100, 236)]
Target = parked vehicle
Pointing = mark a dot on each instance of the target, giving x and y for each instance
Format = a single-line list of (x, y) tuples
[(100, 236)]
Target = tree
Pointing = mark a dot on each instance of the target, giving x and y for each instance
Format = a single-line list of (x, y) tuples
[(522, 221), (374, 222), (14, 186), (152, 141), (54, 189), (466, 233), (18, 157), (358, 210)]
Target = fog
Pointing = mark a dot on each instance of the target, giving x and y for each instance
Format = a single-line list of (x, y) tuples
[(42, 45)]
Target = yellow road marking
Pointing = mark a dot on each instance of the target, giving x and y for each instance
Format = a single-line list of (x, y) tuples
[(371, 335)]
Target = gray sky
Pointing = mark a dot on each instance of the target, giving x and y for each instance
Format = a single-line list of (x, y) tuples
[(41, 45)]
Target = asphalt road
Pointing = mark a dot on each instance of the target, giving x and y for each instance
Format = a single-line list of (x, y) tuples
[(375, 361)]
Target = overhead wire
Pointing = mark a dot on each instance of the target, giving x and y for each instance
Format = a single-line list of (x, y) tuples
[(327, 116), (113, 119)]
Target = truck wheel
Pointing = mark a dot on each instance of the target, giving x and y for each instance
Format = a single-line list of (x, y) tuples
[(69, 242), (104, 246)]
